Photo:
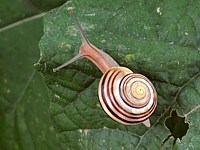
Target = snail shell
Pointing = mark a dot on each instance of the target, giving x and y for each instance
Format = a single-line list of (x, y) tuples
[(126, 97)]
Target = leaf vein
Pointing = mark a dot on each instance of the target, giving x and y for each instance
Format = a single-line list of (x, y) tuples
[(20, 22)]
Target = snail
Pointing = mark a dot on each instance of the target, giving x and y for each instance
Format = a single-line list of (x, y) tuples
[(128, 98)]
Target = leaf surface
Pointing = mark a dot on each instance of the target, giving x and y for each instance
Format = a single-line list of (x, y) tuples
[(24, 100), (159, 39)]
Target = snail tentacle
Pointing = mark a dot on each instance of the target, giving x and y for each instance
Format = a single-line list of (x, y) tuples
[(102, 60), (79, 56)]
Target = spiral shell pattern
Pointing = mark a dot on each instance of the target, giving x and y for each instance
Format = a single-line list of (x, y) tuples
[(127, 97)]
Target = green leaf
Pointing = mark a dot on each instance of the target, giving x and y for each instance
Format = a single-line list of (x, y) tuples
[(20, 9), (159, 39), (24, 100)]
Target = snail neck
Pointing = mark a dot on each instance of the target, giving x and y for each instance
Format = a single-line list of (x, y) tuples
[(101, 59)]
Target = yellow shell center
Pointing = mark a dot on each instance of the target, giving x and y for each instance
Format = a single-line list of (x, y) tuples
[(138, 90)]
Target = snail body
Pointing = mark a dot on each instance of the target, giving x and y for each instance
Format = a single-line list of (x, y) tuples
[(126, 97)]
